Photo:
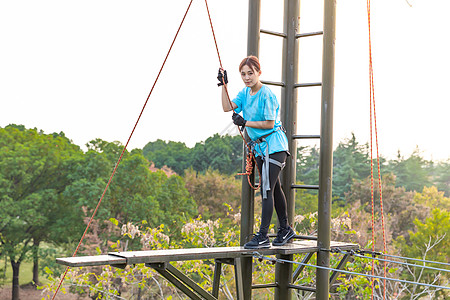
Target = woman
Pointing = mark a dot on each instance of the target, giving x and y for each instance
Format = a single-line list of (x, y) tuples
[(260, 115)]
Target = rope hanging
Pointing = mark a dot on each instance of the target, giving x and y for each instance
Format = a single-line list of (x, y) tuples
[(250, 157), (123, 152), (373, 126)]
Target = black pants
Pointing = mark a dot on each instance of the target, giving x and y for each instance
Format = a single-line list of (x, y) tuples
[(275, 196)]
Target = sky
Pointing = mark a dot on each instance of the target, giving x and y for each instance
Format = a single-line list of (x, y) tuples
[(86, 68)]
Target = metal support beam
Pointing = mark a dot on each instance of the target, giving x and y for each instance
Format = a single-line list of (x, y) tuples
[(302, 288), (305, 187), (248, 194), (273, 33), (326, 151), (273, 83), (300, 268), (181, 281), (238, 278), (300, 35), (216, 280), (299, 137), (264, 286), (340, 266), (288, 115)]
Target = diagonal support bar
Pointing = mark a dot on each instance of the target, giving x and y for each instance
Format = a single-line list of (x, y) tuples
[(181, 281), (340, 266), (216, 281), (302, 266), (238, 276)]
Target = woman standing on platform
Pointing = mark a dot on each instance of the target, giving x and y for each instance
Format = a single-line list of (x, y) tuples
[(260, 117)]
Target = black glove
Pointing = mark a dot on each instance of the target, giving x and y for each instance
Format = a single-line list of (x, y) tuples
[(238, 120), (223, 78)]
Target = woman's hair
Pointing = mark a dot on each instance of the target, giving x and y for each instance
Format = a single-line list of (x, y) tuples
[(252, 62)]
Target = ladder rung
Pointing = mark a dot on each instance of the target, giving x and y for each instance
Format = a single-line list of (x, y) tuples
[(300, 137), (273, 83), (302, 288), (273, 33), (305, 187), (264, 286), (307, 84), (300, 35), (298, 237)]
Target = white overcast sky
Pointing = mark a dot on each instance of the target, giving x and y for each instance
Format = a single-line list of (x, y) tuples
[(86, 68)]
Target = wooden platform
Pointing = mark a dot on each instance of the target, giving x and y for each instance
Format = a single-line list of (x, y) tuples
[(160, 256)]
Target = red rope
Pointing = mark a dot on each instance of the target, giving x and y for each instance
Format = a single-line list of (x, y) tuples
[(123, 151), (249, 166), (373, 125)]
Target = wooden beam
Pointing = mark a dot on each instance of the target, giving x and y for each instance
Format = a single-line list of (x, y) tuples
[(160, 256)]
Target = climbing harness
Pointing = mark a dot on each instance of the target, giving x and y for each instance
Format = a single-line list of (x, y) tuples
[(266, 160)]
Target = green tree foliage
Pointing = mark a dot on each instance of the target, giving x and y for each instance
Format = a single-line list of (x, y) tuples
[(213, 192), (430, 240), (350, 161), (175, 155), (222, 153), (305, 202), (441, 176), (432, 198), (34, 171), (413, 173), (434, 228), (308, 165), (399, 207), (135, 193)]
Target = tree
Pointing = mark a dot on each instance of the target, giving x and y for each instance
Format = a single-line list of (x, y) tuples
[(213, 191), (223, 153), (175, 155), (412, 173), (350, 161), (308, 165), (135, 193), (441, 176), (430, 240), (34, 171), (432, 198), (399, 207)]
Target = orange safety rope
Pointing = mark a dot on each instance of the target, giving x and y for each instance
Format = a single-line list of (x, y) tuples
[(250, 156), (123, 151), (373, 125)]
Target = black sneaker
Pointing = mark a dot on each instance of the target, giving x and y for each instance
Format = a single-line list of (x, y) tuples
[(283, 236), (258, 241)]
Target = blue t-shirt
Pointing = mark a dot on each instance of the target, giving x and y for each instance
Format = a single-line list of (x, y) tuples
[(263, 106)]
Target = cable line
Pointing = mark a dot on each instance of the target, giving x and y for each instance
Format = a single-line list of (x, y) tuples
[(392, 261), (278, 260), (123, 152), (416, 259)]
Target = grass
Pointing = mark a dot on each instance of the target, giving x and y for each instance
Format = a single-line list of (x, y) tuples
[(25, 274)]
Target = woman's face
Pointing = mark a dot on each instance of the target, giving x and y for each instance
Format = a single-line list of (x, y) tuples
[(249, 76)]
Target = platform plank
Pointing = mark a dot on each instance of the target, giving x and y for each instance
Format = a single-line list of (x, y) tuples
[(98, 260), (167, 255)]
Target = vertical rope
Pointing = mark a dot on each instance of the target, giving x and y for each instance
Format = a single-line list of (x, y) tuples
[(250, 155), (373, 125), (123, 152)]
